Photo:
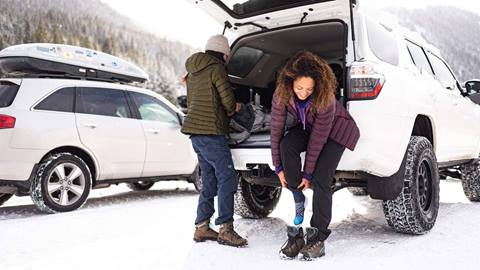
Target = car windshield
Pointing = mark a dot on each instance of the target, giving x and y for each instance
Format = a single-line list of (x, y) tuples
[(255, 7)]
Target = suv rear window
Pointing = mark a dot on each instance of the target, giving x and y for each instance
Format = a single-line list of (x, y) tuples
[(8, 92), (419, 58), (255, 7), (243, 61)]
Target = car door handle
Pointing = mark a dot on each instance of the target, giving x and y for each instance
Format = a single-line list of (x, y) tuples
[(92, 126), (154, 131)]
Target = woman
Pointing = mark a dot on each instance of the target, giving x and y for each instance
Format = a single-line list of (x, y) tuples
[(323, 128)]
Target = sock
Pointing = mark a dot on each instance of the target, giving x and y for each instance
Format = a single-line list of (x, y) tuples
[(300, 201)]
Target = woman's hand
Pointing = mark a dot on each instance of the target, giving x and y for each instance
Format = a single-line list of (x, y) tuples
[(304, 185), (283, 180)]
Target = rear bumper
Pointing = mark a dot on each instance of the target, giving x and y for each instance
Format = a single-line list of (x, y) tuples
[(18, 187), (243, 157), (17, 164), (379, 151)]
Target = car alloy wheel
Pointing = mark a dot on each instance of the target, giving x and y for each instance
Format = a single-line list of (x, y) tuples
[(66, 184)]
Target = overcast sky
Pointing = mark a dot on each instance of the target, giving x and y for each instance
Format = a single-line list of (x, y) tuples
[(180, 20)]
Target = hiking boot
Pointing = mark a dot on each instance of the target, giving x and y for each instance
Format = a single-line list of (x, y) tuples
[(294, 243), (315, 248), (203, 232), (300, 211), (228, 236)]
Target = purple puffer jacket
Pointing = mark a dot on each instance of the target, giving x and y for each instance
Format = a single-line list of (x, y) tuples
[(333, 122)]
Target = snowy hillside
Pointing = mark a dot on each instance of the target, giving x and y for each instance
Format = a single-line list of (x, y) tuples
[(93, 24), (452, 30)]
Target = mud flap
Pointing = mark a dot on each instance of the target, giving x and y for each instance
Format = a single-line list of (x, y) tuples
[(387, 188)]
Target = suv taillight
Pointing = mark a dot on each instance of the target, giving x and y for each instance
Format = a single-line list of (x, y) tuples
[(366, 81), (7, 121)]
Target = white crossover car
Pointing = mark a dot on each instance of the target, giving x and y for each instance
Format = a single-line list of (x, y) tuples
[(70, 121)]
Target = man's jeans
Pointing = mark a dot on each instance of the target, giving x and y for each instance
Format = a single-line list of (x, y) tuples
[(218, 177)]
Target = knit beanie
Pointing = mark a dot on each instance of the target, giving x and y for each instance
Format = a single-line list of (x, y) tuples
[(218, 43)]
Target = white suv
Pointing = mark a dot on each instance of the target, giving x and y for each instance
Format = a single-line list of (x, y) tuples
[(63, 131), (417, 123)]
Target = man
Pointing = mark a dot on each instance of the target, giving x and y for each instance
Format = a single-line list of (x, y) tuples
[(210, 103)]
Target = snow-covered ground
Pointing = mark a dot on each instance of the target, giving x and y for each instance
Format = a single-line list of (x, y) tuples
[(121, 229)]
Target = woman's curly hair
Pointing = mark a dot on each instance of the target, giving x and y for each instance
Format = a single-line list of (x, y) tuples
[(307, 64)]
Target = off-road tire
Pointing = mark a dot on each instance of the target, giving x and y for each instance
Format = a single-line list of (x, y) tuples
[(358, 191), (40, 196), (141, 185), (4, 197), (410, 212), (471, 180), (255, 201)]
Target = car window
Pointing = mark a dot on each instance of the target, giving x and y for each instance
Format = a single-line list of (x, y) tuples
[(8, 92), (419, 58), (243, 61), (103, 101), (60, 101), (153, 109), (382, 42), (255, 7), (442, 72)]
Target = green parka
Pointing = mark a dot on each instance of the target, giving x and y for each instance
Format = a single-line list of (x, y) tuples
[(209, 96)]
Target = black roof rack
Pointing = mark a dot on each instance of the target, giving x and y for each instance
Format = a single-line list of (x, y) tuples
[(29, 67)]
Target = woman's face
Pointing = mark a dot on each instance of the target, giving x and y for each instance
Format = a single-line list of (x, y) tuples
[(303, 87)]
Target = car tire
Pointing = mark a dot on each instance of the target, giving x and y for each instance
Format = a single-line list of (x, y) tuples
[(141, 185), (255, 201), (62, 183), (471, 180), (415, 210), (196, 179), (4, 197), (358, 191)]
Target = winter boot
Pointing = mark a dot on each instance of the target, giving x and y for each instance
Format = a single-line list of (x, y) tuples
[(300, 211), (294, 243), (229, 237), (203, 232), (315, 248)]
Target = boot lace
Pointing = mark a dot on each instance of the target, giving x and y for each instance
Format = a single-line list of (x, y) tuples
[(312, 245), (236, 235)]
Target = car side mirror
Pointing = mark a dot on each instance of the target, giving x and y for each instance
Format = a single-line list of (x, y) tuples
[(182, 101), (472, 86)]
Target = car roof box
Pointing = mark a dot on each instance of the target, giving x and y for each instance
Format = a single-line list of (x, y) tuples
[(65, 61)]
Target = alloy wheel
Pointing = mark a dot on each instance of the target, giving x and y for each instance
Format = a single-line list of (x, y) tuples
[(66, 184)]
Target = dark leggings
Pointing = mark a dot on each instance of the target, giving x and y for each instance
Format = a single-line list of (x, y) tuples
[(296, 142)]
